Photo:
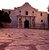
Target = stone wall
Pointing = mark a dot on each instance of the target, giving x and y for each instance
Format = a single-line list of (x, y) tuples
[(20, 12)]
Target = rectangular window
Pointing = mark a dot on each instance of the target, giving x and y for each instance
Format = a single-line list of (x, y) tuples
[(41, 14), (26, 12)]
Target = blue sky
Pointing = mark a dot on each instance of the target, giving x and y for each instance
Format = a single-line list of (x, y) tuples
[(10, 4)]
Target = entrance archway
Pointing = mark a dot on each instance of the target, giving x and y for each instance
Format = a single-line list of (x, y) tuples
[(26, 24)]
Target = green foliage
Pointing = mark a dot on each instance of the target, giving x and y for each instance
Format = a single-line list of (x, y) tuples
[(4, 17)]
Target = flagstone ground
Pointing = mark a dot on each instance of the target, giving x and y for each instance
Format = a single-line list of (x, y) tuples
[(25, 39)]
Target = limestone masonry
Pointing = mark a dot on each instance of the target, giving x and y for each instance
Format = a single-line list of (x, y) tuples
[(26, 16)]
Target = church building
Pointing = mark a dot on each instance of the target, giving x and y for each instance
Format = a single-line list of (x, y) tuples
[(27, 16)]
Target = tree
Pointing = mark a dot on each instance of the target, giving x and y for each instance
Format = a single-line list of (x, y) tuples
[(4, 18)]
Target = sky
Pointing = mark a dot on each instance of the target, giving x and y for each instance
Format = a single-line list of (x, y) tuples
[(41, 5)]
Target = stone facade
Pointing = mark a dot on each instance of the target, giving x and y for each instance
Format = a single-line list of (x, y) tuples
[(27, 17)]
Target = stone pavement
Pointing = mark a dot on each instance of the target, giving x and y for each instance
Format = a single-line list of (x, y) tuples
[(25, 39)]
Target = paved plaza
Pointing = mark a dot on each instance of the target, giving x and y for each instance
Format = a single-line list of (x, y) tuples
[(24, 39)]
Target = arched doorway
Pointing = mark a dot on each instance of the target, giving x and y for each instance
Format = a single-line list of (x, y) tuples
[(26, 24)]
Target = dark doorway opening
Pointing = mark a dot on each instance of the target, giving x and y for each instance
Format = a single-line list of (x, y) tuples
[(26, 24)]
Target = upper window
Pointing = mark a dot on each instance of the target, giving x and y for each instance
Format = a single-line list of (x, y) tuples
[(41, 14), (32, 11), (41, 20), (20, 11), (26, 13)]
